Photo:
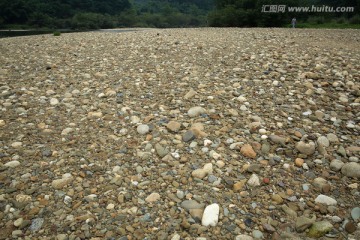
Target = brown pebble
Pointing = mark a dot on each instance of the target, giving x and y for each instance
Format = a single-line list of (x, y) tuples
[(350, 227), (326, 188), (299, 162)]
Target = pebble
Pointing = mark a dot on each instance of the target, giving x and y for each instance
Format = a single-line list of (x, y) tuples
[(355, 213), (54, 101), (319, 229), (12, 164), (302, 223), (257, 234), (248, 151), (336, 165), (305, 148), (196, 111), (323, 199), (173, 126), (192, 204), (188, 136), (153, 197), (211, 215), (36, 224), (244, 237), (143, 129), (253, 181), (322, 140), (351, 169)]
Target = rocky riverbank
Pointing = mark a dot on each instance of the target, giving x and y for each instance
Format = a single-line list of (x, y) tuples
[(181, 134)]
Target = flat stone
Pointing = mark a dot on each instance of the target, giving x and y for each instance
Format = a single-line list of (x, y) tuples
[(190, 94), (196, 111), (192, 204), (160, 150), (319, 229), (248, 151), (351, 169), (188, 136), (143, 129), (12, 164), (302, 223), (199, 173), (323, 199), (244, 237), (173, 126), (153, 197), (322, 140)]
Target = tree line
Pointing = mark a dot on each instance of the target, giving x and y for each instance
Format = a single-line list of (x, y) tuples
[(95, 14)]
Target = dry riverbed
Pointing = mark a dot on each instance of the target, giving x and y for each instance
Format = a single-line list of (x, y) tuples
[(181, 134)]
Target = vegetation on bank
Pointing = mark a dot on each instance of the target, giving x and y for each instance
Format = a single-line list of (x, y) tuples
[(96, 14)]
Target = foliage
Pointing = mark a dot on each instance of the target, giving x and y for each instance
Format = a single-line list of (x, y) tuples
[(95, 14), (57, 33)]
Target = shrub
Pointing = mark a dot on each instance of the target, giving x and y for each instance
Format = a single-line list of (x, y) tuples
[(57, 33)]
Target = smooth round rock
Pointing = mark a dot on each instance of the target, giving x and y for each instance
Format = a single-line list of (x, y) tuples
[(143, 129)]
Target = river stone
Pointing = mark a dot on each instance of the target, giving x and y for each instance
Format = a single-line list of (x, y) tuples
[(322, 140), (332, 137), (36, 224), (12, 164), (323, 199), (302, 223), (143, 129), (211, 215), (336, 165), (253, 181), (173, 126), (243, 237), (351, 169), (188, 136), (319, 229), (192, 204), (160, 150), (196, 111), (355, 213), (153, 197), (306, 148)]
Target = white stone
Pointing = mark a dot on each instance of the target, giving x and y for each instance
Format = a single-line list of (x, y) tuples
[(12, 164), (211, 215), (196, 111), (243, 237), (143, 129), (18, 222), (54, 101), (2, 123), (323, 199), (16, 144), (253, 181), (241, 99), (208, 168), (176, 237), (66, 131)]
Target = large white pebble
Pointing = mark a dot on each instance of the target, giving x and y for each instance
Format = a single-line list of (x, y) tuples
[(143, 129), (196, 111), (323, 199), (12, 164), (211, 215)]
